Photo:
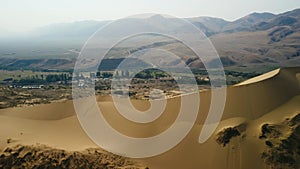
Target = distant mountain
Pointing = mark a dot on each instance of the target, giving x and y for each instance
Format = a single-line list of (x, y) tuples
[(251, 22), (75, 33), (247, 23), (209, 25), (255, 39), (294, 13), (74, 29), (271, 39)]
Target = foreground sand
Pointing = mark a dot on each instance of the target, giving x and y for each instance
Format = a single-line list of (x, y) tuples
[(237, 142)]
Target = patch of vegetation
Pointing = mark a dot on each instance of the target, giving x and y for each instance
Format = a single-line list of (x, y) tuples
[(14, 97), (152, 74)]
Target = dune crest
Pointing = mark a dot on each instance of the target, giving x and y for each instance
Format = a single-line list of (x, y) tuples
[(260, 78)]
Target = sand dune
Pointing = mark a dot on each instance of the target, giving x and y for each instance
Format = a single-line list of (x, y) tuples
[(266, 99), (53, 111)]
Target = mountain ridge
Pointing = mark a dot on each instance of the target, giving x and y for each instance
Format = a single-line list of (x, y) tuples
[(255, 39), (212, 23)]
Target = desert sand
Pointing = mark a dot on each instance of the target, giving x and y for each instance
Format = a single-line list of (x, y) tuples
[(243, 139)]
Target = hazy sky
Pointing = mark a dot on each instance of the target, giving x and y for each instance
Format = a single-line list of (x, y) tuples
[(23, 15)]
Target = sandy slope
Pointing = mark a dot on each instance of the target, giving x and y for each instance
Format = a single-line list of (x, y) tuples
[(269, 98)]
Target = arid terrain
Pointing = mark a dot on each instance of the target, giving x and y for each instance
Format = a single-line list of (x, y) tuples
[(259, 129), (260, 126)]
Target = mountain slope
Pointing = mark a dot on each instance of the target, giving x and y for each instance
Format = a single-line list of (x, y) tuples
[(256, 39)]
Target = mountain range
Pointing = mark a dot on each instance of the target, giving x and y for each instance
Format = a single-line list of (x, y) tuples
[(255, 39)]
